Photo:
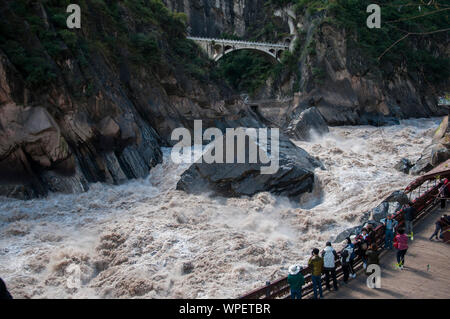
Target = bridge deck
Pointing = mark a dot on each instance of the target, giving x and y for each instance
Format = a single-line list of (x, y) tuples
[(249, 43), (415, 281)]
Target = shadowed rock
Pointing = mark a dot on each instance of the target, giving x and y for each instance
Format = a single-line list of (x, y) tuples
[(389, 205), (294, 176), (403, 165), (308, 121)]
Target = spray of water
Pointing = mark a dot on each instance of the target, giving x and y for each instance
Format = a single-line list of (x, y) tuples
[(145, 239)]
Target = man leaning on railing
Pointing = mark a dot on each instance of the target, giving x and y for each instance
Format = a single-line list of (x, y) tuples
[(390, 224)]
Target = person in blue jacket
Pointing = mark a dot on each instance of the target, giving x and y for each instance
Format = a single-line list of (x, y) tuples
[(389, 225)]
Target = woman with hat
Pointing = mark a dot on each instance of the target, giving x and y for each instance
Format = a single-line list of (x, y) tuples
[(296, 281)]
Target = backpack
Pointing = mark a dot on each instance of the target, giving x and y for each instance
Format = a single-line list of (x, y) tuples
[(395, 242)]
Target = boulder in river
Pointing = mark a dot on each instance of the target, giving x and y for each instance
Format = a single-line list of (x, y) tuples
[(294, 176), (389, 205), (404, 165), (310, 120)]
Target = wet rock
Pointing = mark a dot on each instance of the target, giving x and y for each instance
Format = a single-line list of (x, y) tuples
[(382, 210), (439, 154), (67, 184), (187, 268), (307, 122), (398, 196), (390, 205), (404, 165), (423, 164), (294, 176), (347, 233), (378, 119), (435, 153)]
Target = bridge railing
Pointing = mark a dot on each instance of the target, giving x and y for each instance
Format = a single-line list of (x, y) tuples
[(226, 41), (280, 288)]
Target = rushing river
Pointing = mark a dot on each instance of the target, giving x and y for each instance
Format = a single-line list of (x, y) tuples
[(145, 239)]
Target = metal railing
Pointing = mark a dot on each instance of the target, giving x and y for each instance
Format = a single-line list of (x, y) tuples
[(423, 204)]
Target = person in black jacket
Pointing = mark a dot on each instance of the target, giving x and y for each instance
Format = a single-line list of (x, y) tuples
[(4, 293), (409, 214)]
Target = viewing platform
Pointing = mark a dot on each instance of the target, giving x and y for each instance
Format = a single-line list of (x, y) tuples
[(426, 274)]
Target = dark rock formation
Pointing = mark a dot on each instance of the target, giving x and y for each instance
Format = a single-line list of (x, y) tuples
[(294, 176), (309, 120), (435, 153), (100, 113), (390, 205), (346, 89), (439, 154), (404, 165), (235, 17)]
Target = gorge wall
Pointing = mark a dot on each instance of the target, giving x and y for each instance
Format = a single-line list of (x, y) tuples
[(329, 67), (96, 104)]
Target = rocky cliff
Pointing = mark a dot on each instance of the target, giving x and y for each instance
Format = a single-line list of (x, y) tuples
[(334, 65), (348, 87), (96, 104), (242, 18)]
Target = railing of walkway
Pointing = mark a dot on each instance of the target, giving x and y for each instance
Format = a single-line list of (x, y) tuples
[(423, 203)]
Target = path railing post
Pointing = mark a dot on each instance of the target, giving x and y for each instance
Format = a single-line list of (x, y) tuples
[(268, 289)]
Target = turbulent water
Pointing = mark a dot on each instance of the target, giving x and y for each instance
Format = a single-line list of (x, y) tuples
[(145, 239)]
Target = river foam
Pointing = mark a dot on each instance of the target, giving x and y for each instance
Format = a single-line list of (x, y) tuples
[(145, 239)]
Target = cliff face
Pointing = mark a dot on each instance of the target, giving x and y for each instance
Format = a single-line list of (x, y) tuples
[(71, 114), (327, 69), (242, 18), (347, 88)]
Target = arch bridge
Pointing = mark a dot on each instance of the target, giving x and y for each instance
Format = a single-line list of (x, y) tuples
[(217, 48)]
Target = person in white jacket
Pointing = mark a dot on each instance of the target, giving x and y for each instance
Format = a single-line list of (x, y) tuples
[(329, 265)]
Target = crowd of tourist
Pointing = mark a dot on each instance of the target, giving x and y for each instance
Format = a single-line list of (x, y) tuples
[(363, 245)]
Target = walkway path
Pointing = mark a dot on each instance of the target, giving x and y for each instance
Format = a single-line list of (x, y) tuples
[(415, 281)]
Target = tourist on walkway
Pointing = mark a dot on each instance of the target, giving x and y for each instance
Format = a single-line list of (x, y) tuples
[(372, 256), (437, 229), (401, 244), (389, 225), (329, 265), (371, 232), (444, 192), (296, 281), (316, 265), (409, 212), (351, 244), (439, 226), (4, 293), (362, 243)]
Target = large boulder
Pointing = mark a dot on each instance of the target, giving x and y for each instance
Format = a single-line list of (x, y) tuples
[(404, 165), (294, 176), (389, 205), (309, 121), (423, 164), (439, 154), (435, 153)]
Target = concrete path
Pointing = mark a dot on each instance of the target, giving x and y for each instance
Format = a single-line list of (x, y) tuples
[(416, 280)]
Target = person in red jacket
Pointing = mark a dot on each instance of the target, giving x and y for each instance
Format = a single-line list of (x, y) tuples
[(401, 244)]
